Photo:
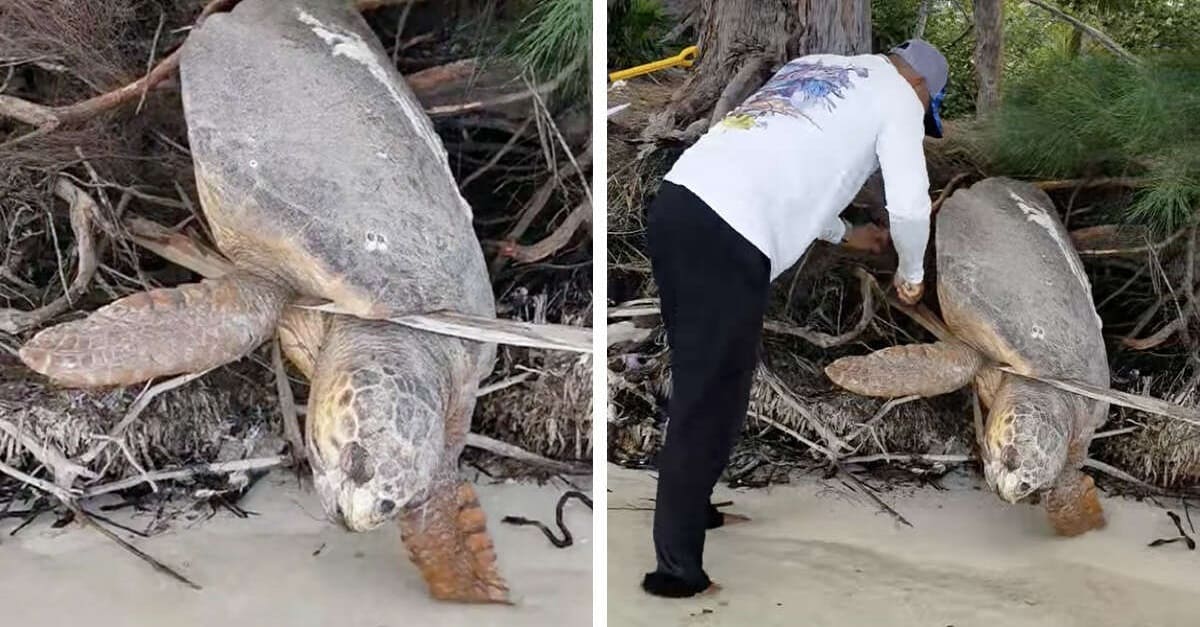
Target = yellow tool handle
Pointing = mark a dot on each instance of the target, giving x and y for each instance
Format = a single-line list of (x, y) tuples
[(685, 58)]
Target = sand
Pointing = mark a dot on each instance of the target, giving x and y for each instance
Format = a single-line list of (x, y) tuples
[(816, 554), (262, 571)]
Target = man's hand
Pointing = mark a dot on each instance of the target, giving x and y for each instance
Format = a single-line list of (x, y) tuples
[(909, 293), (867, 237)]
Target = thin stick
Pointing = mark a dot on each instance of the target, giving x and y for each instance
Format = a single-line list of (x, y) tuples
[(502, 384), (1120, 181), (64, 470), (198, 258), (162, 17), (287, 405), (553, 242), (880, 413), (59, 493), (908, 457), (505, 449), (777, 386), (87, 520), (499, 154), (792, 432), (135, 410), (240, 465), (875, 497), (1133, 401), (954, 182), (1120, 474)]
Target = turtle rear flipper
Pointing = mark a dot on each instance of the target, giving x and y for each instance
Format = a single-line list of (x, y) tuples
[(190, 328), (447, 539), (1073, 504), (914, 369)]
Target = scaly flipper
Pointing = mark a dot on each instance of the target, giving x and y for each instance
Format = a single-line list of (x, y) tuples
[(190, 328), (447, 539), (920, 369), (1073, 504)]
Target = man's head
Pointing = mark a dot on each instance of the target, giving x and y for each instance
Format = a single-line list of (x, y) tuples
[(927, 71)]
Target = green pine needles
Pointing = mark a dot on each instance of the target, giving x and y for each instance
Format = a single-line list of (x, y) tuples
[(554, 40), (1099, 116)]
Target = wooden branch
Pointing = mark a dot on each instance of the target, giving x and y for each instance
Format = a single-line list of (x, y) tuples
[(240, 465), (1116, 181), (950, 187), (287, 406), (1095, 33), (825, 340), (1148, 404), (795, 435), (553, 242), (47, 119), (510, 451), (908, 457), (14, 321), (136, 408), (64, 470)]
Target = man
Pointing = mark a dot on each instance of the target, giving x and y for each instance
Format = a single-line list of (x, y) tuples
[(740, 207)]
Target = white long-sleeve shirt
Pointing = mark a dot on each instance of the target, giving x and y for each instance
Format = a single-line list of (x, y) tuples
[(781, 167)]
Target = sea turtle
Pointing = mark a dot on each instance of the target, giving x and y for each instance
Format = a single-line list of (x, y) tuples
[(1012, 292), (321, 177)]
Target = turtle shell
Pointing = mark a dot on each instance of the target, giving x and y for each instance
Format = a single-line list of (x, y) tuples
[(316, 164), (1012, 286)]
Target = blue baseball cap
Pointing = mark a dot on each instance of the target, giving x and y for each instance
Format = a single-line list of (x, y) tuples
[(923, 58)]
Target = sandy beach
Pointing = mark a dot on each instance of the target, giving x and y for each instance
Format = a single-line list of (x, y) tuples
[(288, 566), (816, 553)]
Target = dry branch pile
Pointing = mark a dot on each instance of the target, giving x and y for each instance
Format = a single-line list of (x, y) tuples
[(74, 192), (1144, 286)]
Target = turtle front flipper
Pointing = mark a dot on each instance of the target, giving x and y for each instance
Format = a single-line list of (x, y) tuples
[(448, 540), (914, 369), (1073, 504), (190, 328)]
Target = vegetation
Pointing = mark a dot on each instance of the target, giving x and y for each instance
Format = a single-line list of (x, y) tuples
[(1100, 116), (635, 33), (554, 40)]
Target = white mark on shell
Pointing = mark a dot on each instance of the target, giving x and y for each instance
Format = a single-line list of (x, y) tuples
[(1038, 216), (253, 163), (351, 46), (381, 155), (376, 242), (1038, 333)]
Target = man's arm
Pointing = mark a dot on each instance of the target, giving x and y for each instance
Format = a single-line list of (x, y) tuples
[(906, 186)]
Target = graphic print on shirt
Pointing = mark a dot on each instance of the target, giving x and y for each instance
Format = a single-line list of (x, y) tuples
[(800, 85)]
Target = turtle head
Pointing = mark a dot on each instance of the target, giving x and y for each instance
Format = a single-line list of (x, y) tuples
[(1025, 443), (375, 443)]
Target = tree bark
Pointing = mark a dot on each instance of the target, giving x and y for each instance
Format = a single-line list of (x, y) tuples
[(922, 19), (766, 33), (989, 44)]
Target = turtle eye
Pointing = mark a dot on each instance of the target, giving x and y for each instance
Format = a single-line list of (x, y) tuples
[(1009, 457), (356, 463)]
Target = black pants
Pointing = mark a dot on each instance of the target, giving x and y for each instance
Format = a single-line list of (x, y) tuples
[(713, 285)]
